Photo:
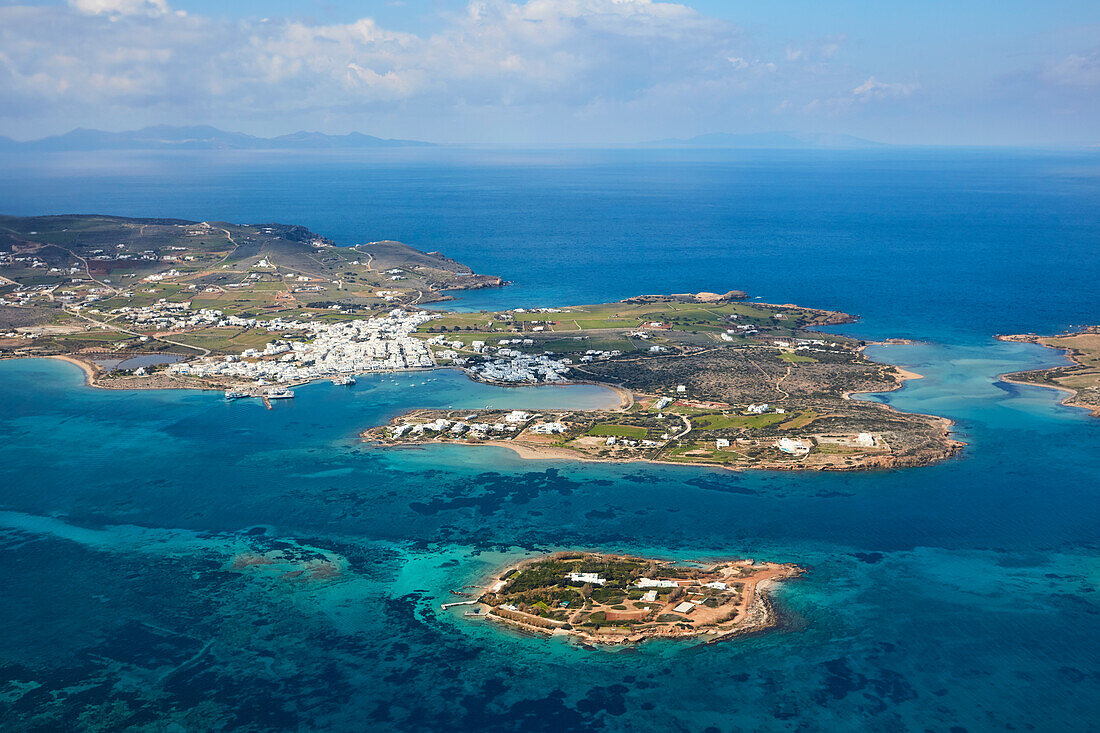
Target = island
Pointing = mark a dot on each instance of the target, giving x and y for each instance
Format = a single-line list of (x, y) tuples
[(713, 379), (1080, 380), (616, 599), (703, 379)]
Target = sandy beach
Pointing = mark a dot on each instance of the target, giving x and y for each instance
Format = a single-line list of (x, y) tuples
[(88, 368)]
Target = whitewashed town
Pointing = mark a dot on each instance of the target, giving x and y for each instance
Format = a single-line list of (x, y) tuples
[(377, 344), (384, 343)]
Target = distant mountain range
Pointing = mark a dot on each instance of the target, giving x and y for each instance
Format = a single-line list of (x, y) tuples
[(767, 140), (201, 137), (205, 137)]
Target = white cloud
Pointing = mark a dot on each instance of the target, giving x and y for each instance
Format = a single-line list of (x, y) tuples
[(554, 62), (874, 89), (121, 7), (1075, 70), (568, 51), (830, 47)]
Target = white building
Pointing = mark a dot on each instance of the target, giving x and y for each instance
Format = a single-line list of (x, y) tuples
[(548, 428), (794, 447), (593, 578), (383, 343), (652, 583)]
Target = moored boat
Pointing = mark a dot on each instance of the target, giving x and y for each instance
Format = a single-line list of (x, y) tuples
[(279, 393)]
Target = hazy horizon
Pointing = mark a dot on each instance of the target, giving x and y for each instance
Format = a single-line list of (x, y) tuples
[(760, 140)]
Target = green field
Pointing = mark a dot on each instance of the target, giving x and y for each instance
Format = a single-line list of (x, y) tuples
[(575, 345), (463, 320), (226, 340), (98, 336), (792, 358), (799, 421), (619, 431), (725, 422), (681, 316)]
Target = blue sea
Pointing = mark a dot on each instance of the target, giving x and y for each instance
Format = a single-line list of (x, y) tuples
[(958, 597)]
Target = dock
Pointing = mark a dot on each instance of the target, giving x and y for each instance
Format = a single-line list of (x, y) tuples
[(445, 606)]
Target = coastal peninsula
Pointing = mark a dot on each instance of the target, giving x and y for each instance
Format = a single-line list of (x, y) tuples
[(1080, 380), (703, 379), (176, 304), (615, 599)]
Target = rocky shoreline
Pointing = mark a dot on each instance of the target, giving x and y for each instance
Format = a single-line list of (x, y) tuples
[(750, 611)]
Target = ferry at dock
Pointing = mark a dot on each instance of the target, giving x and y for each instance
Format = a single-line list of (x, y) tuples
[(344, 381), (232, 394), (278, 393)]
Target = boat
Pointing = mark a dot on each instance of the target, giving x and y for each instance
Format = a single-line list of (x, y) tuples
[(278, 393), (232, 394), (344, 381)]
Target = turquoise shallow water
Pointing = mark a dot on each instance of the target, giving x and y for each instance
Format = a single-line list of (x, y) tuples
[(957, 597)]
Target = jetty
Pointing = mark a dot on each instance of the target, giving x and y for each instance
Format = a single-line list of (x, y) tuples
[(445, 606)]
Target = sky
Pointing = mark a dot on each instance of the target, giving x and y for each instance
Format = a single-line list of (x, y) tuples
[(529, 72)]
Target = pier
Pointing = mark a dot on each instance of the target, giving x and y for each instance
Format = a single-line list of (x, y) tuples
[(445, 606)]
